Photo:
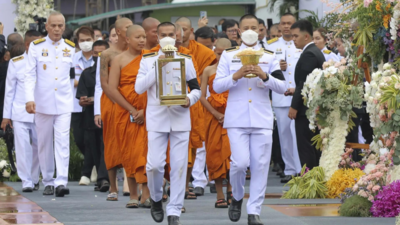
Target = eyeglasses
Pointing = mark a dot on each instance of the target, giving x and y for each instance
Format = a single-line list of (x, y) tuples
[(234, 31)]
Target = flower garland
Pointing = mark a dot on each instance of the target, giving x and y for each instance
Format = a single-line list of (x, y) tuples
[(342, 179), (394, 22), (27, 9)]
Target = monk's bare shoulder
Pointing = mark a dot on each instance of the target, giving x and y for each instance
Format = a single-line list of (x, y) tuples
[(104, 62), (210, 70)]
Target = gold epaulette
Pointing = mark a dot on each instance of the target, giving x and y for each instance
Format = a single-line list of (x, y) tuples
[(268, 51), (70, 43), (232, 49), (150, 55), (327, 51), (184, 55), (39, 41), (18, 58), (99, 54), (272, 40)]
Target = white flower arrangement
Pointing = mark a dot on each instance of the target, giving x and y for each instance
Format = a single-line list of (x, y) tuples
[(394, 21), (27, 9)]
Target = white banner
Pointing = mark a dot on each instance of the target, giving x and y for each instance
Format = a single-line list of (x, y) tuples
[(7, 16)]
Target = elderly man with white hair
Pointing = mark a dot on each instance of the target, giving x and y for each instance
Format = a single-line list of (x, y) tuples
[(48, 93)]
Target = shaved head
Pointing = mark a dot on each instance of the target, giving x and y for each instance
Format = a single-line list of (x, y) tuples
[(187, 28), (179, 35), (150, 26), (184, 20), (223, 43), (132, 29), (120, 23), (149, 23)]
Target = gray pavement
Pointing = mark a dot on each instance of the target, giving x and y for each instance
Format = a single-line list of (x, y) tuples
[(84, 206)]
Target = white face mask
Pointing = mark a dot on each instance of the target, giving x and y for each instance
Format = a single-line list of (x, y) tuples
[(86, 46), (249, 37), (167, 41)]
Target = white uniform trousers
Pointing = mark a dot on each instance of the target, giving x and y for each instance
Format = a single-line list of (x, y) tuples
[(26, 153), (288, 141), (49, 128), (156, 156), (199, 177), (250, 145)]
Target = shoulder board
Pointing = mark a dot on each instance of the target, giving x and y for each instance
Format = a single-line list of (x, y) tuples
[(327, 51), (18, 58), (268, 51), (232, 49), (184, 55), (150, 55), (70, 43), (99, 54), (38, 41), (272, 40)]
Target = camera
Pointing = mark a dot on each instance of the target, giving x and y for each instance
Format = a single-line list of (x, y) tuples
[(39, 25)]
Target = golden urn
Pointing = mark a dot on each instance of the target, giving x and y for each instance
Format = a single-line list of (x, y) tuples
[(250, 56)]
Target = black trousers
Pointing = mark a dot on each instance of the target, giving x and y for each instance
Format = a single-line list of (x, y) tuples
[(77, 131), (352, 137), (276, 148), (95, 154), (308, 154)]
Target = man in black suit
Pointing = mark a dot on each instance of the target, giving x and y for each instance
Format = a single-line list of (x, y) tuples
[(310, 59)]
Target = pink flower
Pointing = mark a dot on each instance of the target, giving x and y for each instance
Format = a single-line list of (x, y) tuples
[(337, 64), (355, 187), (388, 142), (371, 198), (362, 193), (376, 188), (367, 2), (379, 174), (394, 133), (343, 61), (369, 187)]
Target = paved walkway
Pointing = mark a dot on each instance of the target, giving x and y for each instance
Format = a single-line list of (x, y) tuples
[(84, 206)]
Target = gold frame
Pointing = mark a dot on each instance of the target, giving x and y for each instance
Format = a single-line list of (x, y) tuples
[(174, 99)]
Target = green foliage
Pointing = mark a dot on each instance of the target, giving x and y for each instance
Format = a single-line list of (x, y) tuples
[(285, 6), (327, 22), (309, 185), (356, 206), (75, 160)]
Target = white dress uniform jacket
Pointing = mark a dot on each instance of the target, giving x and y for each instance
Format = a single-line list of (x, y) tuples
[(98, 91), (287, 51), (330, 55), (248, 104), (163, 118), (47, 76), (79, 68), (14, 97)]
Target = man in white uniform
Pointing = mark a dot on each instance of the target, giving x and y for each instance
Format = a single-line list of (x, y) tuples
[(167, 122), (22, 122), (249, 118), (48, 94), (287, 54)]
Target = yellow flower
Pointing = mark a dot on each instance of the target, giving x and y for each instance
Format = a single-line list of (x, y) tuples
[(378, 6), (342, 179), (386, 19)]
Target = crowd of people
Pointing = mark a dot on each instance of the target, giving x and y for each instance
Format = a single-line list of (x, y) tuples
[(103, 86)]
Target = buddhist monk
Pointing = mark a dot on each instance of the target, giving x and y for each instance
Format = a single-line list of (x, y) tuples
[(204, 57), (112, 156), (131, 134), (150, 26), (217, 141)]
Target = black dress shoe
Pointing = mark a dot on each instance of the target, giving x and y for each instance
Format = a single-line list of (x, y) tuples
[(66, 191), (48, 190), (104, 186), (61, 191), (27, 189), (235, 210), (286, 179), (276, 167), (36, 188), (279, 172), (157, 211), (174, 220), (254, 220), (213, 189), (199, 191)]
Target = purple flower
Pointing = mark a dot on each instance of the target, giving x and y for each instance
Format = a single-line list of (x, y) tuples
[(387, 202), (387, 34)]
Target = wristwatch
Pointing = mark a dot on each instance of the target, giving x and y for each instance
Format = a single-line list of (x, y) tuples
[(266, 79)]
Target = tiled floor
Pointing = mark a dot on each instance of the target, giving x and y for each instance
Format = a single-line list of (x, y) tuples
[(16, 209)]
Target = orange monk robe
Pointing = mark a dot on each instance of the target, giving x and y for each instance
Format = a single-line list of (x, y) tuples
[(203, 57), (217, 141), (132, 137), (112, 156)]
